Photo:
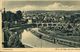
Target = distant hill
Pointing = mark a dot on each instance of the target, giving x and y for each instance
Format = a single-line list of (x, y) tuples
[(60, 12)]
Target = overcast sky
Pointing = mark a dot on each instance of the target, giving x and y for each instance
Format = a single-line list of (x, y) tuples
[(42, 5)]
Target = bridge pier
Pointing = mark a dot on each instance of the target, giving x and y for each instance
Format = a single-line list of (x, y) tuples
[(47, 24), (42, 24)]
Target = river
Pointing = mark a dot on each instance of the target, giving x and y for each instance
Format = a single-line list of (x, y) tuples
[(30, 39)]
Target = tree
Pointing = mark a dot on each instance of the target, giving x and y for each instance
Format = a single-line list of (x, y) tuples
[(8, 16), (19, 15)]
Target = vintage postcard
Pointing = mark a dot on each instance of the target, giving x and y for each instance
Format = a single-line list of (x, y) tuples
[(39, 25)]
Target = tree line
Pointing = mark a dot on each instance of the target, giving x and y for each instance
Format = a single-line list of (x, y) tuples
[(10, 16)]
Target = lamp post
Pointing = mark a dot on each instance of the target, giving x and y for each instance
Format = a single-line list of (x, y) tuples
[(40, 36)]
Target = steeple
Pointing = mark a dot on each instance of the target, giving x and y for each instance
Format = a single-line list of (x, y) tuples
[(4, 10)]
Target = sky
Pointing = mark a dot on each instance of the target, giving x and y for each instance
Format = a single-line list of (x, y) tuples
[(41, 5)]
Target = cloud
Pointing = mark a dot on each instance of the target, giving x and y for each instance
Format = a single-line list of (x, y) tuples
[(24, 8), (59, 6), (27, 8), (54, 6)]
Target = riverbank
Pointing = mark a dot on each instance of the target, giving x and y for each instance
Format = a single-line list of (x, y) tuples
[(56, 39), (28, 38)]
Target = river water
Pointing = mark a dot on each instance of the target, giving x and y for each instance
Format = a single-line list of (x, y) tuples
[(30, 39)]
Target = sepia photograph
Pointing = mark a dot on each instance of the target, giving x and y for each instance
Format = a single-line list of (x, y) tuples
[(40, 24)]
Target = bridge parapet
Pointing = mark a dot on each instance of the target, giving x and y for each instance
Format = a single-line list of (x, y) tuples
[(50, 24)]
